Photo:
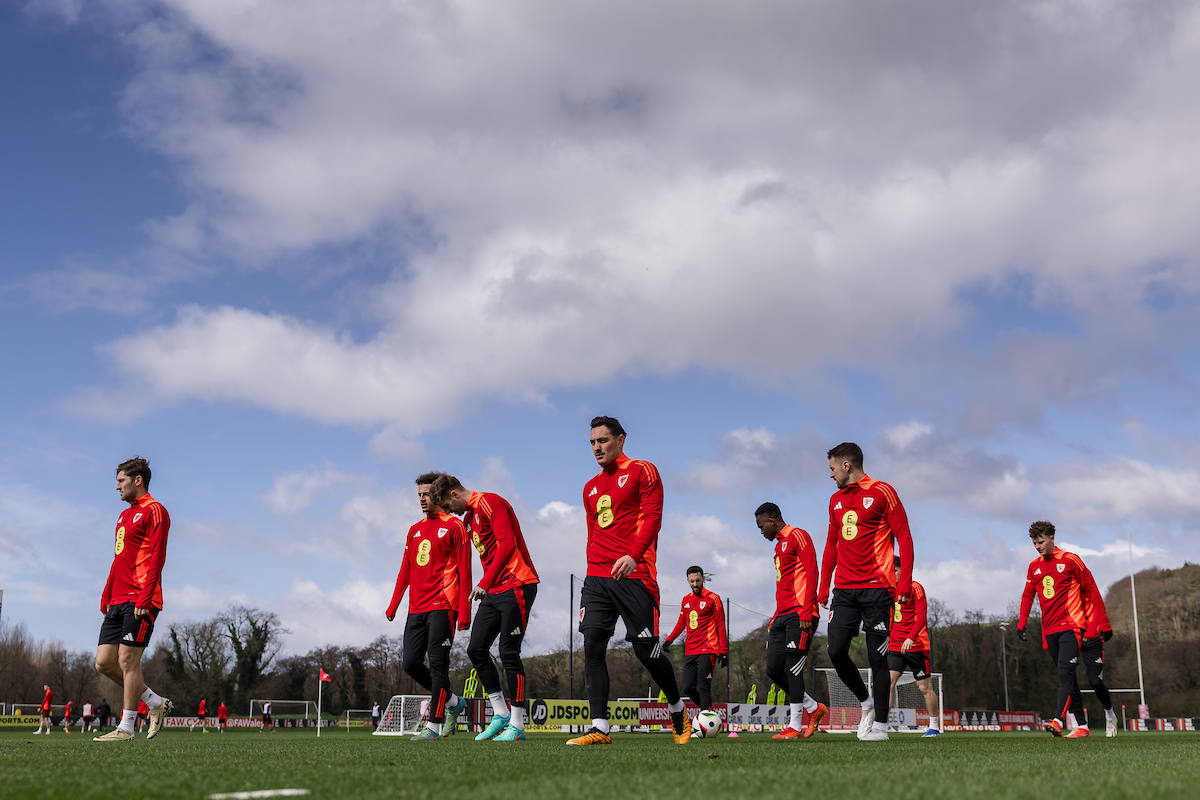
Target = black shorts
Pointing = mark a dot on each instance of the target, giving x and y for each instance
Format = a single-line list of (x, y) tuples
[(871, 607), (120, 626), (1092, 651), (87, 720), (915, 660), (604, 599), (426, 630), (266, 720), (45, 713), (785, 635), (506, 615), (202, 717)]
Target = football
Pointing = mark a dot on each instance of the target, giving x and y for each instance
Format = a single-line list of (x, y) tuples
[(706, 725)]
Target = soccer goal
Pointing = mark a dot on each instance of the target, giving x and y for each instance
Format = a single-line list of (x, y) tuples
[(403, 715), (281, 707), (907, 709), (357, 716)]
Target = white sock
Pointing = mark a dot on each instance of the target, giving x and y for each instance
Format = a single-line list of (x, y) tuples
[(517, 720), (499, 706), (436, 727), (1110, 714), (151, 700), (453, 701), (797, 716), (880, 726), (809, 704), (868, 704), (600, 725), (933, 727), (675, 707), (127, 720), (1071, 723)]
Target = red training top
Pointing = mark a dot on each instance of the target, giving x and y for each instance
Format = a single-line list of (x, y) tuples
[(795, 573), (866, 519), (497, 536), (704, 617), (143, 709), (911, 622), (203, 710), (47, 700), (222, 712), (437, 566), (1066, 591), (624, 506), (139, 555), (68, 709)]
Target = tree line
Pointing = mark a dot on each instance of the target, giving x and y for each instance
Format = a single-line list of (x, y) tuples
[(238, 655)]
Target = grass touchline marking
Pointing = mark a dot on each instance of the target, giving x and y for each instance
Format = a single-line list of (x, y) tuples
[(259, 793)]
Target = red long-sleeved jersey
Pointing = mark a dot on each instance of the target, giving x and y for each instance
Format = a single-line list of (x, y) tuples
[(624, 506), (1066, 592), (139, 555), (47, 701), (704, 617), (222, 712), (795, 573), (143, 709), (67, 712), (497, 536), (203, 709), (866, 519), (437, 567), (911, 621)]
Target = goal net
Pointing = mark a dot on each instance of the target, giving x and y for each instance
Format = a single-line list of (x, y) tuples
[(280, 708), (907, 708), (403, 715)]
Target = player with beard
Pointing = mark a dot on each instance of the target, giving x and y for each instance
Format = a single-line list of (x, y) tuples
[(703, 616)]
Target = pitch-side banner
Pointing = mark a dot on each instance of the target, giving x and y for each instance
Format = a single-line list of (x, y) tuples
[(551, 715)]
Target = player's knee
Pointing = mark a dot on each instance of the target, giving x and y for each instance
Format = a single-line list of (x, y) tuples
[(877, 650), (647, 652), (595, 646)]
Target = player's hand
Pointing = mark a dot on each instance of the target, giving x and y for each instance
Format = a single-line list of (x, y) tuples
[(464, 626), (908, 643), (806, 624), (478, 593), (1107, 635), (902, 599), (723, 659), (824, 601), (1021, 634), (624, 567), (390, 617), (140, 612), (665, 644)]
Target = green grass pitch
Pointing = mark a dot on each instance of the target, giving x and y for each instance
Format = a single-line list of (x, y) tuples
[(179, 764)]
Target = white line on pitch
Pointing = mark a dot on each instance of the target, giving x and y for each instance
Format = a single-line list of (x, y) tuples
[(259, 793)]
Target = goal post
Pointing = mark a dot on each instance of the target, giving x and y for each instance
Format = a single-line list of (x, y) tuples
[(358, 713), (908, 704), (281, 707), (403, 715)]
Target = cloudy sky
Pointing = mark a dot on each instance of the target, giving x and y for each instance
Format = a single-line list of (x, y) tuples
[(295, 252)]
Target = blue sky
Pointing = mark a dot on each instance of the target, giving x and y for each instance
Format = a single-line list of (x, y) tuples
[(295, 253)]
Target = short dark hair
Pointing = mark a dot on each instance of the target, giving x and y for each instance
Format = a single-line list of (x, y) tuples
[(694, 569), (439, 493), (1041, 528), (847, 451), (896, 562), (614, 427), (428, 477), (134, 467), (770, 509)]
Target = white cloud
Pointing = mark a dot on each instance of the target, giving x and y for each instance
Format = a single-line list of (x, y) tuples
[(294, 492), (737, 183), (1122, 487)]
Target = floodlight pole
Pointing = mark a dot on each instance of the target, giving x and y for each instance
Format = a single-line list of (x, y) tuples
[(1136, 636), (571, 639), (728, 647), (1004, 654)]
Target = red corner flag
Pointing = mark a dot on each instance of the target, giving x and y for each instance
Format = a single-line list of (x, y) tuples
[(324, 675)]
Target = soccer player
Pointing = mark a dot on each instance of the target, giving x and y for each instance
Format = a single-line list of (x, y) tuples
[(623, 505), (436, 568), (222, 714), (87, 717), (792, 627), (103, 713), (143, 712), (866, 524), (67, 717), (507, 591), (703, 615), (375, 712), (132, 598), (202, 714), (1074, 622), (908, 648), (266, 717), (44, 709)]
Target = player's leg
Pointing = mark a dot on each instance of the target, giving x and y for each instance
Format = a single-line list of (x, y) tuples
[(637, 603), (925, 685), (843, 627), (704, 676), (1093, 660), (416, 645), (441, 639), (690, 676), (780, 658), (597, 622), (515, 608), (484, 630), (877, 615)]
